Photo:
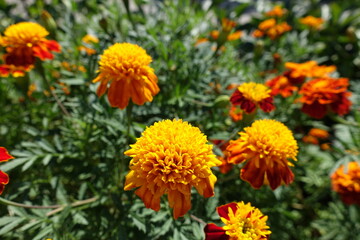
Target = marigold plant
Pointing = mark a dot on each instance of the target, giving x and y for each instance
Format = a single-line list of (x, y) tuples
[(169, 158), (242, 222), (346, 182), (250, 96), (4, 178), (266, 146), (321, 95), (125, 73), (24, 42)]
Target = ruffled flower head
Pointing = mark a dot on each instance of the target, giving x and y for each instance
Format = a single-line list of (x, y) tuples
[(4, 178), (125, 73), (24, 42), (265, 146), (242, 222), (169, 158), (251, 95), (312, 22), (346, 182), (321, 95)]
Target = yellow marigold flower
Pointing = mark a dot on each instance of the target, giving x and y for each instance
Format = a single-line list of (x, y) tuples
[(277, 11), (319, 133), (242, 222), (347, 183), (24, 42), (312, 22), (125, 67), (169, 158), (266, 146), (90, 39), (251, 95)]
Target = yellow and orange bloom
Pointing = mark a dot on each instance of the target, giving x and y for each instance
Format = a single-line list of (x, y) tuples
[(346, 182), (312, 22), (236, 114), (250, 96), (281, 85), (242, 222), (308, 69), (169, 158), (271, 28), (319, 133), (88, 40), (4, 178), (125, 73), (24, 42), (321, 95), (266, 146), (310, 139), (277, 11)]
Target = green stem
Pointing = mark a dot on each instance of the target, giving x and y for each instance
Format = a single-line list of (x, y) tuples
[(129, 119), (41, 70), (343, 121)]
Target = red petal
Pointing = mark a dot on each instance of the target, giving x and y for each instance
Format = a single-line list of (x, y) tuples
[(53, 45), (213, 232), (223, 210), (4, 179), (279, 174), (253, 175), (42, 53), (4, 155), (315, 110)]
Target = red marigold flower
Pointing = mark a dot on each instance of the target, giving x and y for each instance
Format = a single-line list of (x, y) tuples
[(24, 42), (4, 178), (346, 182), (242, 222), (251, 95), (225, 166), (325, 94), (281, 85), (266, 146)]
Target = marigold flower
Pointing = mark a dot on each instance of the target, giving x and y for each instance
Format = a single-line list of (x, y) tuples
[(277, 11), (346, 182), (235, 114), (242, 222), (312, 22), (252, 95), (325, 94), (281, 85), (319, 133), (4, 178), (310, 139), (24, 42), (266, 146), (271, 28), (308, 69), (125, 67), (169, 158), (90, 39)]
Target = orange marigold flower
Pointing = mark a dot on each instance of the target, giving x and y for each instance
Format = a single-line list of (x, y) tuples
[(235, 114), (267, 24), (125, 67), (251, 95), (266, 146), (169, 158), (310, 139), (325, 94), (272, 29), (24, 42), (319, 133), (346, 182), (312, 22), (308, 69), (227, 24), (242, 222), (4, 178), (281, 85), (277, 11)]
